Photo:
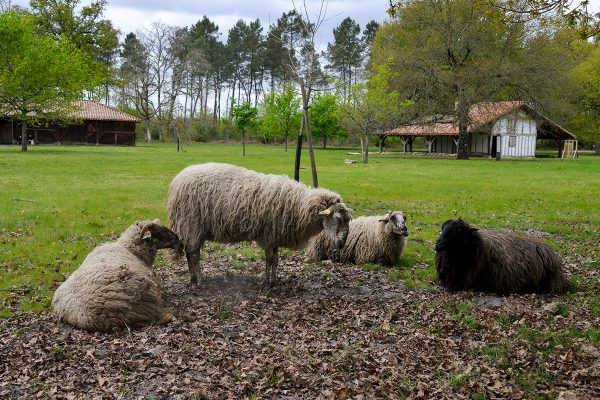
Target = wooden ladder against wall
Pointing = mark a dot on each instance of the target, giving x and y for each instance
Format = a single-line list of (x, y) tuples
[(569, 149)]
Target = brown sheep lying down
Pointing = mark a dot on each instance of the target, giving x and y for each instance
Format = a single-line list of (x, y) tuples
[(115, 285), (489, 261)]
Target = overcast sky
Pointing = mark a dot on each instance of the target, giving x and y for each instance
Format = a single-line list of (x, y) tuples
[(131, 15)]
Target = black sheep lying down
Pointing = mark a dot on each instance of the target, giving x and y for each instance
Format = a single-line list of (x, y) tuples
[(489, 261)]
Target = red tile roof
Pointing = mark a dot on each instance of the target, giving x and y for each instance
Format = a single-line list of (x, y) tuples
[(480, 115), (96, 111)]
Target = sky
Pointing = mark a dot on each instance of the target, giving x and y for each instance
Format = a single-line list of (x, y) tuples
[(132, 15)]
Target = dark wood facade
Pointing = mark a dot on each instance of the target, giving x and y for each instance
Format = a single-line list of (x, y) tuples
[(97, 124)]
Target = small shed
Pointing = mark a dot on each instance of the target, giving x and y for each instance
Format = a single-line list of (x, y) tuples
[(507, 129), (96, 124)]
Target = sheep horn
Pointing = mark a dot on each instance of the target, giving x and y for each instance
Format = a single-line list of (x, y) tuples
[(326, 211), (147, 227)]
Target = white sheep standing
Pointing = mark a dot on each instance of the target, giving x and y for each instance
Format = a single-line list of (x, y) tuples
[(376, 239), (115, 285), (227, 204)]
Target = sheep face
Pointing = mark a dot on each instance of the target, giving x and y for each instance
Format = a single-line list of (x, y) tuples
[(457, 236), (395, 223), (159, 236), (336, 221)]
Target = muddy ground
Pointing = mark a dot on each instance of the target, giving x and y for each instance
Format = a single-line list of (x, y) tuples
[(328, 330)]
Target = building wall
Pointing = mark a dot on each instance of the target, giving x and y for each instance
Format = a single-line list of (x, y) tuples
[(6, 135), (480, 144), (445, 144), (90, 132), (518, 133)]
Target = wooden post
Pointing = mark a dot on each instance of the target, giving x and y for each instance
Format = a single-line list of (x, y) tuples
[(404, 144), (430, 142), (498, 147), (560, 147)]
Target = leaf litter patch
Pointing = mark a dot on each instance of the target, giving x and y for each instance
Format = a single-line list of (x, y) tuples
[(327, 330)]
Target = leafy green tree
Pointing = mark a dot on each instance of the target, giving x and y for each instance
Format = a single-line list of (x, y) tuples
[(245, 117), (372, 105), (326, 117), (39, 76), (586, 76), (84, 26), (450, 54), (281, 113)]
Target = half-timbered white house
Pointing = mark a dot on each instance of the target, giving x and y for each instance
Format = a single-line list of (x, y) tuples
[(508, 129)]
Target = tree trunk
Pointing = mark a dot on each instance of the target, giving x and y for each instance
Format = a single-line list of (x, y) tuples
[(147, 126), (324, 141), (160, 129), (365, 147), (462, 114), (23, 135), (311, 153), (463, 141), (298, 151)]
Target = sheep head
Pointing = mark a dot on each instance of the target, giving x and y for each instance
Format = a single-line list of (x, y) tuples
[(159, 236), (395, 223), (457, 235), (336, 220)]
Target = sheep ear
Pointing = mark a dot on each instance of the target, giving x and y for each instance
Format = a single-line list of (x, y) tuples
[(386, 217), (326, 211), (473, 229)]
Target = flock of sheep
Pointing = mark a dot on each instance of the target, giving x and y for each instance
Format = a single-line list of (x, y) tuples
[(116, 286)]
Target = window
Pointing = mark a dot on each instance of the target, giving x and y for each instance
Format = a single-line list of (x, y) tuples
[(512, 141)]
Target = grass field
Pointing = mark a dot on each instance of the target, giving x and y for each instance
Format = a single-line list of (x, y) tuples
[(59, 202), (327, 330)]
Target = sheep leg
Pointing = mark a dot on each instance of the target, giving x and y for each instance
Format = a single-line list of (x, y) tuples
[(272, 258), (193, 259)]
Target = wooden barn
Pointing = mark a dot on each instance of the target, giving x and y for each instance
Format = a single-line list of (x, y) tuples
[(508, 129), (96, 124)]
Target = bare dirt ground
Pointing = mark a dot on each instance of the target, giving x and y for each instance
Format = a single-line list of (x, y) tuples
[(327, 331)]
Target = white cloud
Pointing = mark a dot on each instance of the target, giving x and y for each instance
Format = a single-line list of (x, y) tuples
[(133, 15)]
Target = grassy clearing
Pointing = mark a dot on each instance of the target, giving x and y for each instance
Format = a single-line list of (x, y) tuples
[(60, 202)]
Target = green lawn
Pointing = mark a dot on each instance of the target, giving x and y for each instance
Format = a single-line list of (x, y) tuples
[(58, 202)]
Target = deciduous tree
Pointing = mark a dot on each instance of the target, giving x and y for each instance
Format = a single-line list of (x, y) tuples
[(85, 27), (245, 117), (373, 105), (40, 77), (450, 54), (326, 117), (281, 113)]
